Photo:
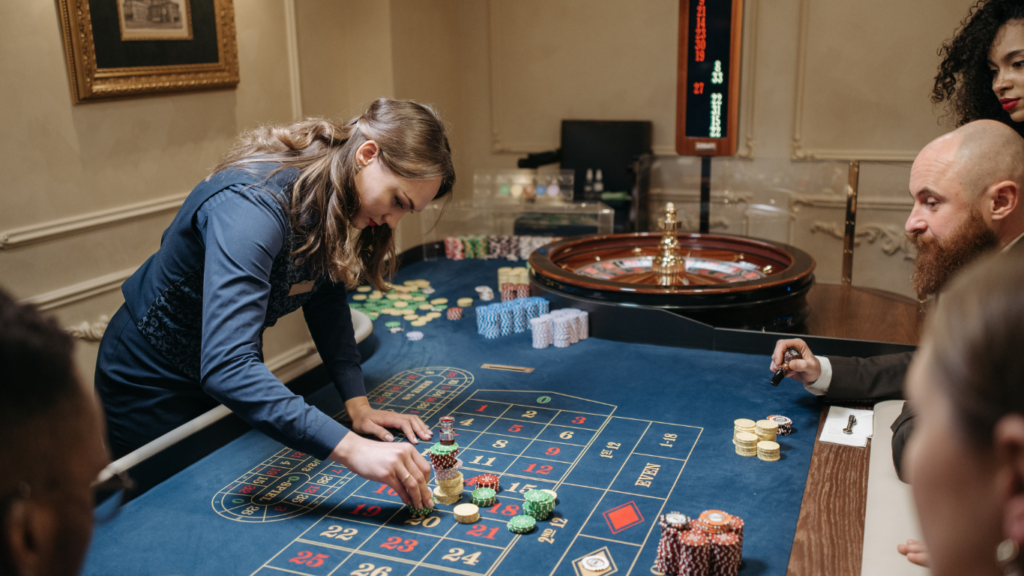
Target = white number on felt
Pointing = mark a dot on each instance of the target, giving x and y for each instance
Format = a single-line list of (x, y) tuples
[(530, 414), (371, 570), (467, 422), (500, 444), (340, 533), (428, 522), (456, 554), (565, 435)]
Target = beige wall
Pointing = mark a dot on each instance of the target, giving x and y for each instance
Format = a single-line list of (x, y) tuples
[(92, 186), (89, 188)]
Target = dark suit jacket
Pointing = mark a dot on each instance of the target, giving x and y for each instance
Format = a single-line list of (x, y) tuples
[(872, 380), (881, 378)]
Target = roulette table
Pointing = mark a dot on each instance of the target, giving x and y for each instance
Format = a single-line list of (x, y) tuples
[(622, 431)]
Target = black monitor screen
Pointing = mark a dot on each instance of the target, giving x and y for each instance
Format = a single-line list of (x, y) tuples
[(707, 68)]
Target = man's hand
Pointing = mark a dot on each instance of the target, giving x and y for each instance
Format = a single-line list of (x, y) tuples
[(396, 464), (805, 369), (915, 552), (366, 420)]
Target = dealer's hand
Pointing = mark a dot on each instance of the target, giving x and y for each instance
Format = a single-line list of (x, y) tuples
[(805, 369), (366, 420), (915, 552), (396, 464)]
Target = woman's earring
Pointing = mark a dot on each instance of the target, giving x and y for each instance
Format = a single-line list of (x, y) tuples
[(1006, 555), (359, 167)]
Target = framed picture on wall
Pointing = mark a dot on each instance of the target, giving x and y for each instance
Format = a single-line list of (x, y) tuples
[(118, 48)]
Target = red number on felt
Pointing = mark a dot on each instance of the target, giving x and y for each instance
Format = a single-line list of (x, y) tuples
[(430, 400), (306, 557), (516, 428), (553, 450), (451, 375), (541, 470), (371, 511), (280, 509), (391, 491), (410, 377), (481, 531), (396, 543), (579, 420), (273, 472), (247, 489), (379, 399), (481, 409), (311, 490), (446, 387), (396, 388), (297, 454)]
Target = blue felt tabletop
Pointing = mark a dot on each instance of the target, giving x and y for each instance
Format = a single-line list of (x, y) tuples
[(622, 433)]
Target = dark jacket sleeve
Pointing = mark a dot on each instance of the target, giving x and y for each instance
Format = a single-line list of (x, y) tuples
[(868, 379), (243, 231), (901, 428), (330, 323)]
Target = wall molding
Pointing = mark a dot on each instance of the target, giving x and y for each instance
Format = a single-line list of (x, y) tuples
[(838, 202), (89, 332), (292, 43), (748, 79), (798, 151), (72, 225), (80, 291), (893, 240)]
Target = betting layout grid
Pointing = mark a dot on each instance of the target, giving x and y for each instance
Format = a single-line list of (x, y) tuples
[(613, 476), (291, 483)]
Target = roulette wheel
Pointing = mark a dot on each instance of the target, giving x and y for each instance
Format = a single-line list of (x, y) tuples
[(725, 281)]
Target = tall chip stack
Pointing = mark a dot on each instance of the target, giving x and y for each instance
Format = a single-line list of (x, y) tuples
[(443, 458), (538, 504), (710, 545)]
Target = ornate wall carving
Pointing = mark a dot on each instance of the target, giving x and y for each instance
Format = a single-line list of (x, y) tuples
[(892, 239)]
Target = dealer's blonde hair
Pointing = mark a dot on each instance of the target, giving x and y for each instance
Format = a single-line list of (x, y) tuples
[(412, 144)]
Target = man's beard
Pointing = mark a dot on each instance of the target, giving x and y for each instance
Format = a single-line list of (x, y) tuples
[(939, 260)]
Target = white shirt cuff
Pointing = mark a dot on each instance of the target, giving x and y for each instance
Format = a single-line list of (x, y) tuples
[(820, 386)]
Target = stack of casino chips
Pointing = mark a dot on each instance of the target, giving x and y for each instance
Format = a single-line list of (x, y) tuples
[(538, 504), (454, 313), (488, 481), (453, 249), (785, 424), (485, 293), (672, 525), (746, 444), (711, 545), (522, 290), (768, 451), (741, 425), (766, 430), (467, 513), (506, 318), (484, 497), (541, 329), (443, 458), (521, 524)]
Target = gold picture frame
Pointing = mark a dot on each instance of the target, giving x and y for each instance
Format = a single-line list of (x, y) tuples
[(103, 64)]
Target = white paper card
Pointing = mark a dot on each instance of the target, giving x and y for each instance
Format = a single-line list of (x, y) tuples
[(837, 420)]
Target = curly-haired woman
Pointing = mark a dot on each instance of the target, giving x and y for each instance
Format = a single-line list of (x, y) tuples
[(291, 216), (982, 72)]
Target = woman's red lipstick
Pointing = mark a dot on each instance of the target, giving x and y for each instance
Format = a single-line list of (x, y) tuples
[(372, 223), (1009, 103)]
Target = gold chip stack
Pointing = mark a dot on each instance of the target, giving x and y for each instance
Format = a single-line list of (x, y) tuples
[(766, 430), (742, 425), (746, 444), (446, 498), (768, 451), (467, 513)]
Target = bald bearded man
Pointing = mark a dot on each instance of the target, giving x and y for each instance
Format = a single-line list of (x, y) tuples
[(966, 187)]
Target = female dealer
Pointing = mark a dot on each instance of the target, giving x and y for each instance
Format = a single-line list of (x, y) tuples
[(291, 216)]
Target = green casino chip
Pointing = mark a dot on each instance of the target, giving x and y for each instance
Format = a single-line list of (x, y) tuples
[(442, 450), (539, 497), (373, 315), (521, 524), (420, 512), (484, 497), (393, 324)]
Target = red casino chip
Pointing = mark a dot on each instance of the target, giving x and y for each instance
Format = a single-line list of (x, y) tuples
[(487, 481)]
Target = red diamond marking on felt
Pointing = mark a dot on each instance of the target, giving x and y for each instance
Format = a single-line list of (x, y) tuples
[(623, 517)]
